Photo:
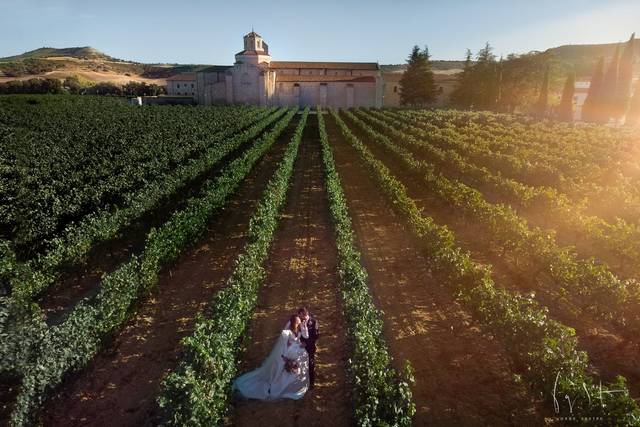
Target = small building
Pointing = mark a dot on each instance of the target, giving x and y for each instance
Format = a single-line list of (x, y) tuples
[(255, 79), (580, 92), (183, 84), (445, 84)]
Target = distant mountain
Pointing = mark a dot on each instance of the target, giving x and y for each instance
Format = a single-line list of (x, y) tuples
[(85, 52), (87, 63), (583, 57), (438, 65)]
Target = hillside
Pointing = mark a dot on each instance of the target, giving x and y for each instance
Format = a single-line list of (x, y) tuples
[(438, 65), (85, 52), (584, 57), (87, 63)]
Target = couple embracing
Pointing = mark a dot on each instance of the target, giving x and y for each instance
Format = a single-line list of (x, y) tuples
[(289, 370)]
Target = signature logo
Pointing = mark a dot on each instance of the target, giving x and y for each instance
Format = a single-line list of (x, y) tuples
[(571, 402)]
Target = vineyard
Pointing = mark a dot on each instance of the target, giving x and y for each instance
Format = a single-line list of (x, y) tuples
[(466, 268)]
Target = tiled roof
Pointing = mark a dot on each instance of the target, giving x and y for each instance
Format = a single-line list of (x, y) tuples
[(290, 78), (215, 69), (252, 52), (330, 65), (183, 77), (438, 78)]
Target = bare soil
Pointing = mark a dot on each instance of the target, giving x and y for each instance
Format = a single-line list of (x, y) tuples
[(9, 389), (122, 383), (609, 352), (71, 70), (301, 271), (463, 376)]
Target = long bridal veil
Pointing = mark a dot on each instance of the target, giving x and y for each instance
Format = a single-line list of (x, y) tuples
[(271, 381)]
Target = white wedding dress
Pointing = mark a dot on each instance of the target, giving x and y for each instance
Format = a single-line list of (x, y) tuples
[(272, 381)]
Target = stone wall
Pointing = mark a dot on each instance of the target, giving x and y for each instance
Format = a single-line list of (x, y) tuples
[(336, 94), (181, 87)]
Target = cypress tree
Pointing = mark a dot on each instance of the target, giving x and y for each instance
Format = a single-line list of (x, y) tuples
[(633, 115), (428, 89), (484, 77), (417, 85), (542, 106), (408, 79), (499, 85), (625, 76), (565, 110), (591, 110), (462, 95), (609, 88)]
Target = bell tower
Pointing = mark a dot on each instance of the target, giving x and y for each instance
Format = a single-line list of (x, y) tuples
[(255, 52)]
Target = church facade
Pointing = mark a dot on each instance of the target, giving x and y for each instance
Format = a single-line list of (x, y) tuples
[(255, 79)]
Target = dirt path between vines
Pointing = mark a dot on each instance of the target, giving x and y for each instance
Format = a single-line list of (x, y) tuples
[(301, 271), (463, 376), (120, 386), (609, 353)]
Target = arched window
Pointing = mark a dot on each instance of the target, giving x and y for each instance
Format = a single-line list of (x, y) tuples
[(245, 79)]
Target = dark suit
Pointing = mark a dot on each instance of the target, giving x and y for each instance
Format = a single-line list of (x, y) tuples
[(310, 345)]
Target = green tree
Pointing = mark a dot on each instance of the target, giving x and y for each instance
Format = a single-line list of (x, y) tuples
[(417, 85), (625, 77), (565, 110), (499, 67), (74, 85), (462, 95), (504, 85), (609, 88), (542, 106), (633, 115), (519, 82), (485, 72), (593, 105)]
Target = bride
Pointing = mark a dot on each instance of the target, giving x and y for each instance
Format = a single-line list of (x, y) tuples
[(284, 374)]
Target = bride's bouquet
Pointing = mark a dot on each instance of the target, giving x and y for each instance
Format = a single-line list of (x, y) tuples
[(291, 365)]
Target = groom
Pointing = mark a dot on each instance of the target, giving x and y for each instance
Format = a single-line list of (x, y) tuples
[(310, 324)]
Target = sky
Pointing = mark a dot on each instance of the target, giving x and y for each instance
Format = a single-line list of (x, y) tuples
[(210, 31)]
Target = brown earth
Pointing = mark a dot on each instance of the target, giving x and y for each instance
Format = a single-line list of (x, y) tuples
[(92, 70), (92, 76), (121, 384), (301, 271), (463, 376), (609, 353)]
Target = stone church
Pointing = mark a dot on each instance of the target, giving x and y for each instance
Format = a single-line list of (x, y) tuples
[(257, 80)]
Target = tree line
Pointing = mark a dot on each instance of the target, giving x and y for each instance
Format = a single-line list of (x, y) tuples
[(528, 83), (610, 93), (76, 86)]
